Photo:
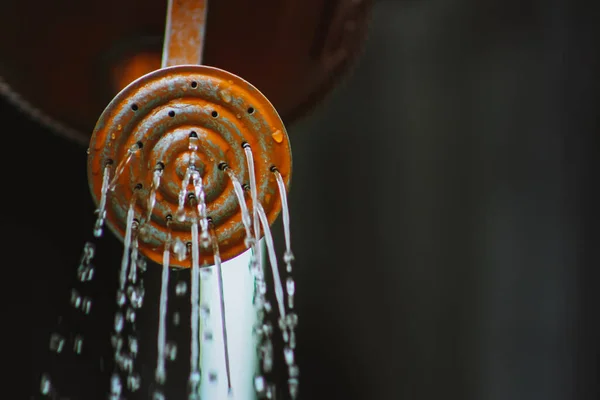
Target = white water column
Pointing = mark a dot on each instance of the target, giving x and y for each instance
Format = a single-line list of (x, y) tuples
[(240, 318)]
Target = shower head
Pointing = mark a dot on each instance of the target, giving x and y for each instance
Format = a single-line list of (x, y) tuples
[(148, 128)]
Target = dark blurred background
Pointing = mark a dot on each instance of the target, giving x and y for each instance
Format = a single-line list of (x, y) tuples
[(444, 216)]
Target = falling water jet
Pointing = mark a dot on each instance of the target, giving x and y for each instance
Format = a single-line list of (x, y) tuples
[(180, 213), (156, 175), (272, 260), (255, 262), (288, 256), (98, 227), (201, 205), (194, 378), (85, 270), (123, 163), (160, 374), (253, 196), (134, 251), (286, 323), (123, 360), (127, 241), (239, 193), (291, 319), (253, 191), (217, 261), (135, 299)]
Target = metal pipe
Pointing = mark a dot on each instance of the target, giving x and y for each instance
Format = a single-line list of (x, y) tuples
[(184, 32)]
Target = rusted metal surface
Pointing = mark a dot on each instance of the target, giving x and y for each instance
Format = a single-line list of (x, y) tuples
[(184, 32), (160, 110), (294, 51)]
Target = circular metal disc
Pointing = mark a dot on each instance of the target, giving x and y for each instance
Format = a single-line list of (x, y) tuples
[(160, 111)]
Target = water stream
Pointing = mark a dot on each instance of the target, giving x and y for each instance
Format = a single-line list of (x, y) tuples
[(161, 373), (123, 163), (194, 378), (224, 297), (98, 227), (156, 175)]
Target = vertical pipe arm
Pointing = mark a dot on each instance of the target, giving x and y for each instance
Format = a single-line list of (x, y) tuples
[(184, 32)]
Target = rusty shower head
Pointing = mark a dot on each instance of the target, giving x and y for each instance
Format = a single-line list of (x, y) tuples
[(156, 115)]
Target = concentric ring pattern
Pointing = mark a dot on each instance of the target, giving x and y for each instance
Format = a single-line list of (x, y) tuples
[(159, 112)]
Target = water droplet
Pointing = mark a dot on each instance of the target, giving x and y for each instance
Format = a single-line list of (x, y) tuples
[(85, 273), (75, 298), (208, 336), (88, 151), (267, 356), (205, 239), (270, 394), (267, 306), (130, 315), (179, 249), (277, 136), (267, 329), (294, 371), (142, 264), (86, 305), (78, 344), (291, 320), (288, 257), (98, 231), (262, 287), (88, 252), (117, 342), (133, 345), (181, 288), (171, 351), (290, 286), (282, 324), (45, 385), (158, 396), (293, 386), (124, 361), (212, 376), (259, 384), (194, 378), (57, 342), (176, 318), (119, 322), (133, 382), (180, 216), (115, 385), (121, 298), (289, 355), (136, 296)]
